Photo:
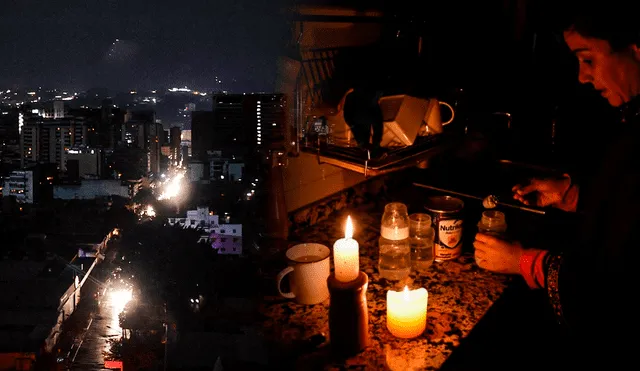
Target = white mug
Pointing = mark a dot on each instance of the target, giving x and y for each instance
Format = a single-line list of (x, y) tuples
[(309, 268), (432, 117)]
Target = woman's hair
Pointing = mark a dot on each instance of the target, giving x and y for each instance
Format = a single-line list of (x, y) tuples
[(615, 21)]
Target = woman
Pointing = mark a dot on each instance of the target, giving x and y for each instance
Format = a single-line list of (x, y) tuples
[(592, 285)]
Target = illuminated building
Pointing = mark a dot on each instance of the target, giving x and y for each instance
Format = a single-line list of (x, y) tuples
[(48, 140)]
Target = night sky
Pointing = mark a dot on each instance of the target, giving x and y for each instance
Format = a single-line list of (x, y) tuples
[(138, 44)]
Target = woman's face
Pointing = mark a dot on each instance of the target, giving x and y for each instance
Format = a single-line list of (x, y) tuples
[(615, 74)]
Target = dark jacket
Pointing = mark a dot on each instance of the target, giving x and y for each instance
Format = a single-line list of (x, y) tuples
[(593, 286)]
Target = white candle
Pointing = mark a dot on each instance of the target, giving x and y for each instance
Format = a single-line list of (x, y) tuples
[(407, 312), (345, 256)]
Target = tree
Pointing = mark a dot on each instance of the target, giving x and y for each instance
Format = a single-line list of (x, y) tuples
[(119, 216), (144, 197)]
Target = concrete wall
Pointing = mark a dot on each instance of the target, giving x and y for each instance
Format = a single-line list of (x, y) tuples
[(90, 189)]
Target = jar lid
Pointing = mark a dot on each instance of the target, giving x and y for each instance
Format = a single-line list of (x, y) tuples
[(444, 204), (493, 218), (399, 206)]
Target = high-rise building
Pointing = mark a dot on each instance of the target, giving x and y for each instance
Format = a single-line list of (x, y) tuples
[(142, 126), (9, 129), (156, 133), (111, 129), (89, 161), (185, 142), (255, 121), (58, 109), (20, 185), (175, 156), (230, 129), (53, 110), (270, 122), (10, 151), (165, 138), (48, 140), (244, 126), (202, 134)]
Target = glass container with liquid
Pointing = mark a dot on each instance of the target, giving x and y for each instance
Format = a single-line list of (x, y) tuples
[(394, 261), (493, 223), (421, 238)]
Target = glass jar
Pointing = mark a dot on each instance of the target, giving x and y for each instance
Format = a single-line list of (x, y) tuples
[(421, 237), (394, 261), (493, 223)]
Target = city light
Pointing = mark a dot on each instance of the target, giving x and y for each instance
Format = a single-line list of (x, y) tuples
[(118, 299), (172, 187), (150, 211)]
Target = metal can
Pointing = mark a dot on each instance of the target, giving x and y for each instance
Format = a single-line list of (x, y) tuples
[(446, 213)]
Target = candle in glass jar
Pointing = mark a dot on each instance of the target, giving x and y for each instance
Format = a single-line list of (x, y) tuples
[(346, 256), (407, 312)]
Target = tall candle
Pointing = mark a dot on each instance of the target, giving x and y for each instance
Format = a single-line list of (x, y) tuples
[(345, 255), (407, 312)]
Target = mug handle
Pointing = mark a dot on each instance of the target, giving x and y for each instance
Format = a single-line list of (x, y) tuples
[(453, 114), (284, 272)]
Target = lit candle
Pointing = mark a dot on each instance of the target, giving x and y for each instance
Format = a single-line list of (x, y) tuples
[(407, 312), (345, 256)]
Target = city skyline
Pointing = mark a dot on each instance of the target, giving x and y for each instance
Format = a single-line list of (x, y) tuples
[(122, 45)]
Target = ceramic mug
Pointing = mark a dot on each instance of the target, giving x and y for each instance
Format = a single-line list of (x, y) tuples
[(309, 268), (432, 121)]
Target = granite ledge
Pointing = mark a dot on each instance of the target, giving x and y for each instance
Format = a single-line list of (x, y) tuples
[(460, 294), (322, 209)]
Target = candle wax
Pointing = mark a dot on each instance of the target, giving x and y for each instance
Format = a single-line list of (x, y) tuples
[(346, 259), (407, 312)]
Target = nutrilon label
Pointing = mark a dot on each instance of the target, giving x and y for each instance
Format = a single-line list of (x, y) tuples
[(448, 244), (446, 213)]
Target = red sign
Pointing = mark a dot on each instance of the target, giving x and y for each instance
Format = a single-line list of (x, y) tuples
[(113, 364)]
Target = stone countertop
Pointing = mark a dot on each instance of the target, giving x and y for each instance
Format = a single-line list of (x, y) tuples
[(460, 293)]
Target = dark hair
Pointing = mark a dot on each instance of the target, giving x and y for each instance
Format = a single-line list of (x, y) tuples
[(614, 21)]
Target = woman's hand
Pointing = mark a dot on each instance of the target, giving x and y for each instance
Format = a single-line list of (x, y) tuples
[(497, 255), (556, 192)]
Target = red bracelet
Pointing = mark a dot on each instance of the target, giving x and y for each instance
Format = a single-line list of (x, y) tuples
[(532, 267)]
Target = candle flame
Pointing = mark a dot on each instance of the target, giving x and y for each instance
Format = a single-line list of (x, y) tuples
[(406, 293), (348, 231)]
